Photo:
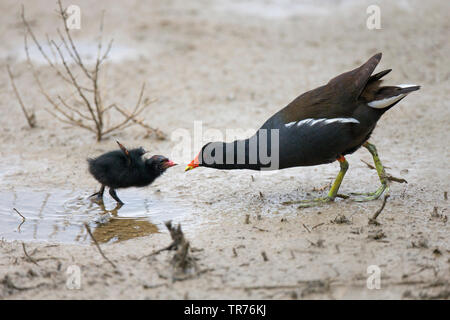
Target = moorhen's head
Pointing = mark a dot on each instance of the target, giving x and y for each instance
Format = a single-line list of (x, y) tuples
[(207, 157), (238, 154), (158, 164)]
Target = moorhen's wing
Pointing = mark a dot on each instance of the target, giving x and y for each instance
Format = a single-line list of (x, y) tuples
[(315, 141), (338, 98)]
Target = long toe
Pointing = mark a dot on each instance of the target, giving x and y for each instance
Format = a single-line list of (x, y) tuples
[(314, 202), (309, 202), (332, 194), (369, 196)]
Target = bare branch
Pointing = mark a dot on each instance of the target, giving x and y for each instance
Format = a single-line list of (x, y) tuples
[(108, 49), (74, 109), (35, 75), (100, 41), (41, 50), (69, 37), (64, 41), (31, 119), (70, 120), (91, 115), (50, 46), (159, 134), (97, 96), (36, 42), (75, 83)]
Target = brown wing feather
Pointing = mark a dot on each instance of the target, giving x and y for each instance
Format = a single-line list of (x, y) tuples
[(349, 85), (333, 99)]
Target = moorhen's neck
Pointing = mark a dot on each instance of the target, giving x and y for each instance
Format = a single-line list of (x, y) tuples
[(255, 153)]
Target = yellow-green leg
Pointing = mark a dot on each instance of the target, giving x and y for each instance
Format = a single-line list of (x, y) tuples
[(381, 174), (332, 194)]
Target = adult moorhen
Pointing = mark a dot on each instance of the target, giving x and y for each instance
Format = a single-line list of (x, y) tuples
[(318, 127), (126, 168)]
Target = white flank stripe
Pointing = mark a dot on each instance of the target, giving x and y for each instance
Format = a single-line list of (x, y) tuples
[(290, 124), (383, 103), (323, 121), (342, 120), (403, 86)]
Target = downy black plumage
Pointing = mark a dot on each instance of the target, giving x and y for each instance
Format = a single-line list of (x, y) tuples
[(126, 168)]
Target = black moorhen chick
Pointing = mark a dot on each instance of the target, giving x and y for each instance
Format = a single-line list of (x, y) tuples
[(318, 127), (126, 168)]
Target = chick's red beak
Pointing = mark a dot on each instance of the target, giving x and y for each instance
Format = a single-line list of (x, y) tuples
[(193, 164), (168, 164)]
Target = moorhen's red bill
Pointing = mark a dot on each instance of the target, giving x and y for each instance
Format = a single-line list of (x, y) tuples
[(126, 168), (318, 127)]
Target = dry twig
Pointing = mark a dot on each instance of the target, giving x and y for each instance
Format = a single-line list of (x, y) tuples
[(183, 264), (27, 255), (23, 218), (98, 246), (372, 220), (17, 211), (318, 225), (387, 176), (307, 229)]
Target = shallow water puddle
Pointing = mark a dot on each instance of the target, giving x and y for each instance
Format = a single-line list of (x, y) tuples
[(59, 215)]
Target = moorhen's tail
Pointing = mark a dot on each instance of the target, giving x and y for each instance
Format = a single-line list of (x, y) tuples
[(386, 97), (378, 76)]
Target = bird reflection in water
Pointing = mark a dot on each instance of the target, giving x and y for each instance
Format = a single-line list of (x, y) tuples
[(112, 228)]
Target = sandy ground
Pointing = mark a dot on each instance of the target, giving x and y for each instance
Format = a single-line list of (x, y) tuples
[(232, 65)]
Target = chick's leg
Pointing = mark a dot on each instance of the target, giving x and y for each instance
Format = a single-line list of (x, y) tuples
[(113, 194), (98, 195)]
